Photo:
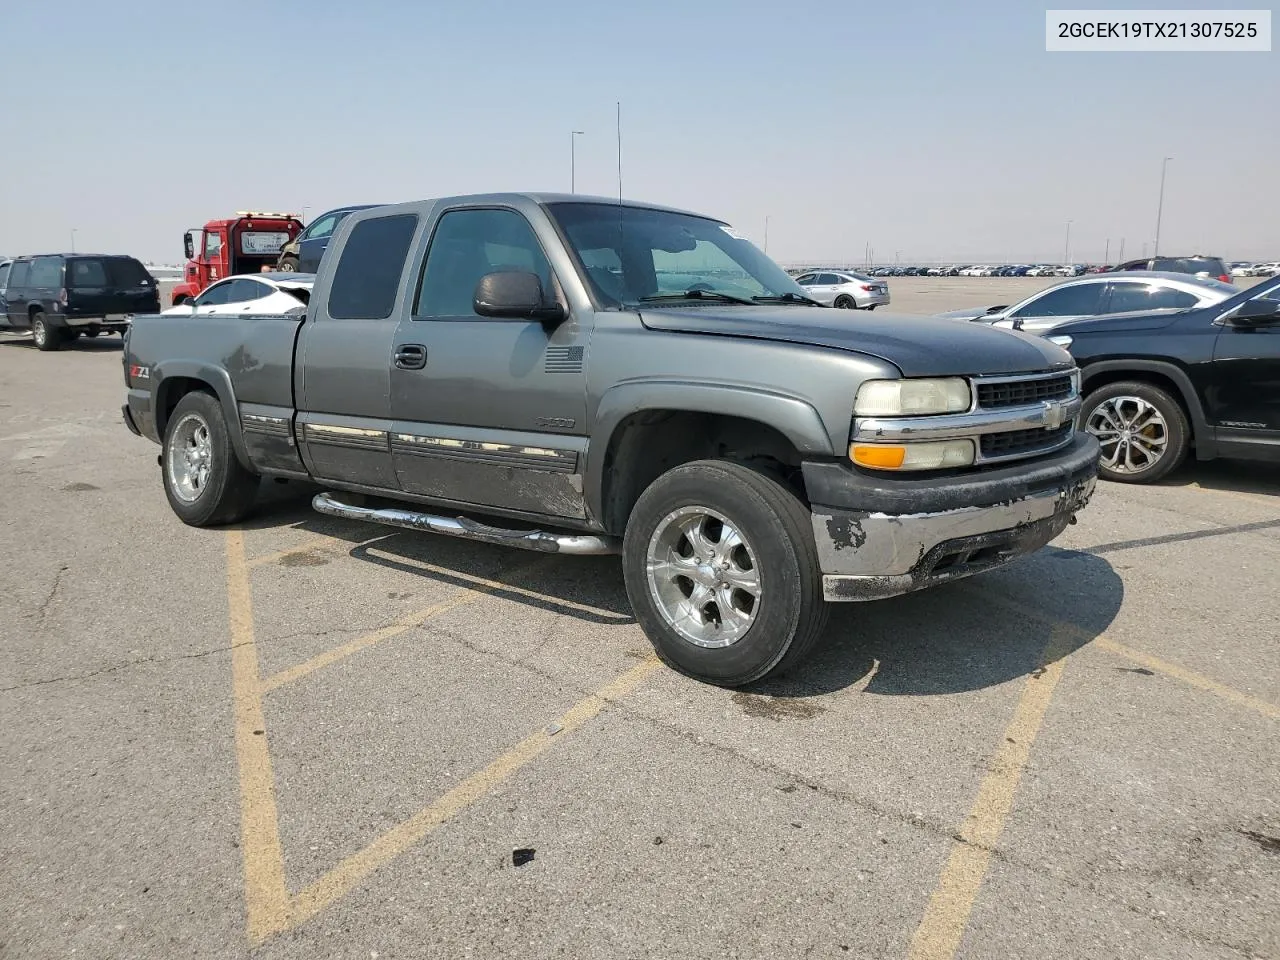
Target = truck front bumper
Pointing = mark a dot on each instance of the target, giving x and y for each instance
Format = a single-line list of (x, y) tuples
[(881, 536)]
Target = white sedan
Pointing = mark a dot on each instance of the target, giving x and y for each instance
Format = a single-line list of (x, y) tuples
[(251, 294)]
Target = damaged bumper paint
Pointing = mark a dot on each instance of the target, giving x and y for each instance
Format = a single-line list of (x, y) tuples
[(873, 554)]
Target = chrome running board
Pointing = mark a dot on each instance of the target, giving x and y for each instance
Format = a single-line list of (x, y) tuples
[(328, 504)]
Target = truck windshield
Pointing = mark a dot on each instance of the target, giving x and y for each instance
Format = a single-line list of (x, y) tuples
[(631, 255)]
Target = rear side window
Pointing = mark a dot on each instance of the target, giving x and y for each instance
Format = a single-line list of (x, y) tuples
[(126, 272), (1146, 296), (368, 273), (82, 274), (46, 272), (1206, 265)]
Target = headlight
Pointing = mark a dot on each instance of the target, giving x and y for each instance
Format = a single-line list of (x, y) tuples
[(932, 455), (1061, 340), (908, 398)]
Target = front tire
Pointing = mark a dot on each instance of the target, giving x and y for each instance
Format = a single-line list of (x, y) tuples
[(203, 480), (46, 338), (1142, 429), (287, 265), (722, 572)]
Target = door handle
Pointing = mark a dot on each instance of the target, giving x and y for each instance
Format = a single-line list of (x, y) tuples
[(410, 356)]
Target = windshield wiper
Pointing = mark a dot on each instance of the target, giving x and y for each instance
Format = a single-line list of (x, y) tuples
[(787, 297), (696, 294)]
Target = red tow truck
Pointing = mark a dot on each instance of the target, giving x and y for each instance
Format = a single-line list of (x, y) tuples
[(244, 244)]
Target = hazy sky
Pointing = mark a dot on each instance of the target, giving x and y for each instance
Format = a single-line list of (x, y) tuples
[(935, 131)]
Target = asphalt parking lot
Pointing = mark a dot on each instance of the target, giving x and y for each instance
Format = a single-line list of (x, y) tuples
[(307, 738)]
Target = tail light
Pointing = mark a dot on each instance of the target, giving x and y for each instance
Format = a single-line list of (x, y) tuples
[(1224, 278), (867, 287), (62, 296)]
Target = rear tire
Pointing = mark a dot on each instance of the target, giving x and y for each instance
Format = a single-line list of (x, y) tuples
[(46, 338), (846, 302), (205, 483), (759, 580), (1143, 431), (287, 265), (92, 332)]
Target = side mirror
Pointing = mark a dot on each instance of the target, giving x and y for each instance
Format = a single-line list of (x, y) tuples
[(188, 246), (1256, 313), (515, 295)]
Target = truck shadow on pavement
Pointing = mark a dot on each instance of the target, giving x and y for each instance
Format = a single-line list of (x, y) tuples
[(103, 344), (968, 635)]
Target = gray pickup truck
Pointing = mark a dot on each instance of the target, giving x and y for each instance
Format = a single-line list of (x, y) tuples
[(590, 376)]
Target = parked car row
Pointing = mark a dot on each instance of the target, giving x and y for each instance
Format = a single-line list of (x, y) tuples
[(1241, 269)]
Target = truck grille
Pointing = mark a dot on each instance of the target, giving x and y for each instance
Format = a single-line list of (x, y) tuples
[(1020, 393), (1022, 443)]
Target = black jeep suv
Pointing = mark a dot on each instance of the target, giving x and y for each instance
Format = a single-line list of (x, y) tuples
[(63, 295), (1158, 385)]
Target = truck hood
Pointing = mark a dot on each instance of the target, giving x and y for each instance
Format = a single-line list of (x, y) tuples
[(918, 346)]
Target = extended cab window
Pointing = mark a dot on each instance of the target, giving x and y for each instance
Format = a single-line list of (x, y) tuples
[(1080, 300), (368, 273), (466, 245)]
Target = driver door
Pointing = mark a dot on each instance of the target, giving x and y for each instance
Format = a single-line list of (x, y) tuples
[(488, 411)]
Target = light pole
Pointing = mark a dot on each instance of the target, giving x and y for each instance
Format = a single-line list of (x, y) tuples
[(766, 233), (73, 239), (1155, 250), (1106, 256), (1066, 249), (573, 159)]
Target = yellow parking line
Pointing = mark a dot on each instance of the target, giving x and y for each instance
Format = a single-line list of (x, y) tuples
[(947, 915), (465, 595), (1189, 677), (315, 543), (355, 868), (266, 897), (1169, 669), (269, 906)]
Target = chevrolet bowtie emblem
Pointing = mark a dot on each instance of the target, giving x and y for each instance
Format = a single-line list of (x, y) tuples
[(1052, 414)]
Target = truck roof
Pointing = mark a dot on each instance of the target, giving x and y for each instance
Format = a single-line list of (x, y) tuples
[(541, 198)]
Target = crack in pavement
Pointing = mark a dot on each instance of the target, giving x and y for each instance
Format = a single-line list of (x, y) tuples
[(43, 610), (123, 666)]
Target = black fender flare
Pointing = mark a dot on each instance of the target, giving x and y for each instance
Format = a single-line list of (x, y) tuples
[(795, 419), (218, 380), (1204, 435)]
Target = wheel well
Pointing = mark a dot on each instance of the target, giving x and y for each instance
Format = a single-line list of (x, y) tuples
[(34, 309), (647, 444), (1165, 383), (171, 391)]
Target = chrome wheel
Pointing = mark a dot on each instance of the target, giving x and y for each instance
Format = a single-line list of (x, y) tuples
[(190, 458), (39, 332), (703, 577), (1132, 432)]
